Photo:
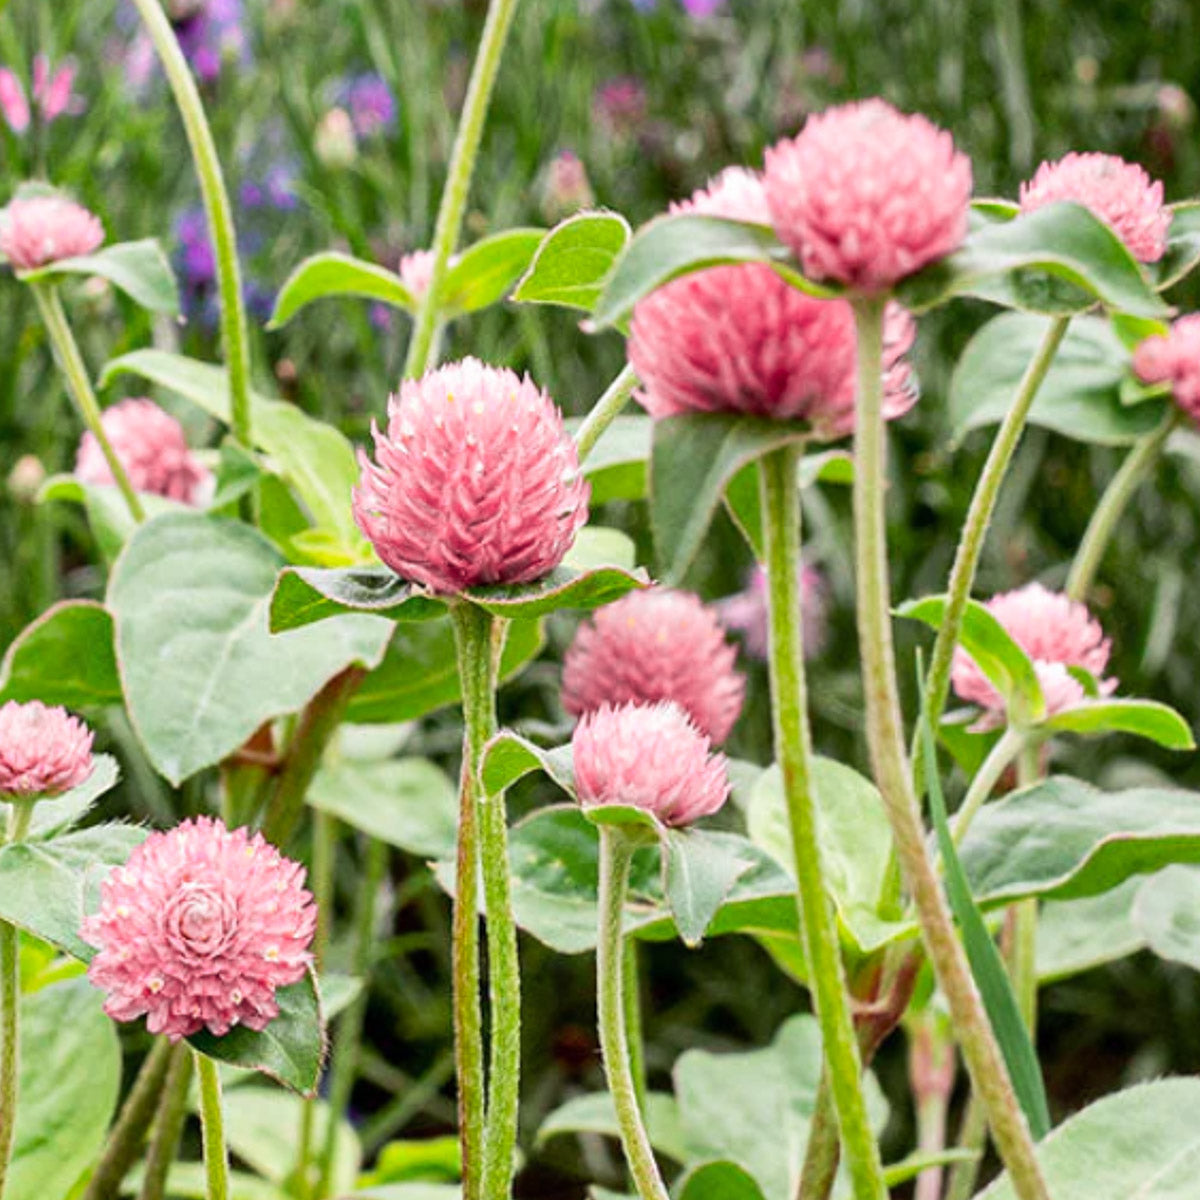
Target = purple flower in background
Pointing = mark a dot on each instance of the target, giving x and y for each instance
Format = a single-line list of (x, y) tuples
[(620, 104), (370, 102), (702, 8), (197, 266), (210, 33), (745, 613), (276, 189)]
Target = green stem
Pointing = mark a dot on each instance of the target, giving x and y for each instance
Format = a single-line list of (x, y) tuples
[(793, 749), (70, 362), (972, 1135), (631, 983), (1009, 747), (234, 334), (458, 179), (1117, 495), (1024, 914), (894, 779), (605, 411), (616, 856), (824, 1151), (172, 1114), (19, 814), (212, 1120)]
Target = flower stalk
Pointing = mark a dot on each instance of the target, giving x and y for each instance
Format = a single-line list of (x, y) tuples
[(212, 1119), (605, 411), (20, 812), (172, 1114)]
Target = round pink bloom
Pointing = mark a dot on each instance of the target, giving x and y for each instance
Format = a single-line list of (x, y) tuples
[(416, 271), (44, 229), (746, 612), (1174, 359), (152, 449), (476, 481), (741, 339), (656, 645), (866, 195), (1056, 632), (648, 756), (43, 751), (198, 929), (1115, 191)]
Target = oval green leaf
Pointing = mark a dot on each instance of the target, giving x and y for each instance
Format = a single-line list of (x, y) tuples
[(1146, 718), (333, 274), (64, 657), (139, 269), (483, 273), (573, 261), (305, 595)]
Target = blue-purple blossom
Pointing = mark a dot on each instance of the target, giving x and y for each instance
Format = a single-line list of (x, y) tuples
[(210, 33), (370, 102)]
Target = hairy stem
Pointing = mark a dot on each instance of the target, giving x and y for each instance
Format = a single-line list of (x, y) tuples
[(824, 1151), (1003, 753), (212, 1122), (631, 984), (972, 1135), (605, 411), (19, 813), (172, 1113)]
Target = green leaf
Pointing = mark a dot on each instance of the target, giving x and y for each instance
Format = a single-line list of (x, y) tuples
[(1146, 718), (194, 591), (987, 966), (617, 467), (407, 802), (61, 812), (1076, 935), (720, 1180), (1080, 396), (700, 872), (483, 273), (693, 459), (594, 1112), (139, 269), (573, 261), (562, 588), (305, 595), (1139, 1143), (909, 1167), (1166, 913), (107, 513), (189, 1181), (64, 657), (333, 274), (337, 993), (597, 546), (290, 1050), (421, 1159), (70, 1078), (238, 473), (509, 757), (1010, 261), (1183, 246), (996, 654)]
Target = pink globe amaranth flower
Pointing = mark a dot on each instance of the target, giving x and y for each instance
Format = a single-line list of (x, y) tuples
[(43, 751), (43, 229), (13, 102), (152, 449), (652, 646), (1056, 633), (865, 195), (648, 756), (1174, 359), (198, 929), (740, 339), (1117, 192), (475, 481), (746, 612), (416, 271)]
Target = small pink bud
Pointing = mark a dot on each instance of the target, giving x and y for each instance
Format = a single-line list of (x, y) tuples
[(43, 751), (1174, 359), (43, 229)]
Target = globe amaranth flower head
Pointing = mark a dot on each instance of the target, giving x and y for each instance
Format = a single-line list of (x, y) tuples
[(741, 339), (475, 481), (1056, 633), (746, 612), (151, 447), (1174, 358), (1117, 192), (865, 195), (198, 929), (36, 231), (43, 751), (656, 645), (648, 756)]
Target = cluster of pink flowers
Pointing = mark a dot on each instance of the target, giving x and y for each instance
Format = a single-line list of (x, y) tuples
[(44, 751), (1174, 358), (39, 230), (52, 94)]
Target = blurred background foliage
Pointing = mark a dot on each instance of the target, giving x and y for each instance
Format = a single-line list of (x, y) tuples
[(626, 106)]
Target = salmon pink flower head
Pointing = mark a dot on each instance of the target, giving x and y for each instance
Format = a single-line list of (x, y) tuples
[(740, 339), (151, 447), (1174, 358), (865, 195), (39, 230), (43, 751), (651, 646), (1119, 193), (475, 481), (198, 929), (1056, 633), (648, 756)]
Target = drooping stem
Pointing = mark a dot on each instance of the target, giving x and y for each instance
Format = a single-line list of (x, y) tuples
[(212, 1122), (458, 179), (234, 337), (892, 775), (1137, 465), (972, 1136), (1002, 755), (823, 1152), (605, 411), (70, 362), (793, 750), (616, 855), (631, 990), (172, 1113), (19, 813)]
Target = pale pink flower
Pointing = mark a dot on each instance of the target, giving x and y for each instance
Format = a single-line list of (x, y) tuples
[(52, 90), (198, 929), (655, 645), (1056, 633), (648, 756), (475, 481), (416, 271), (151, 447), (13, 103), (866, 195), (43, 229), (1174, 359), (741, 339), (43, 751), (1117, 192), (746, 612)]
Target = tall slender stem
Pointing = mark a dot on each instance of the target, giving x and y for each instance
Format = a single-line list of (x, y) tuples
[(1022, 963), (234, 335), (972, 1135), (631, 991), (19, 814), (172, 1113), (823, 1152), (71, 363), (458, 179), (1113, 503), (605, 411), (893, 777), (931, 1069), (1008, 748), (212, 1120), (616, 855), (793, 749)]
